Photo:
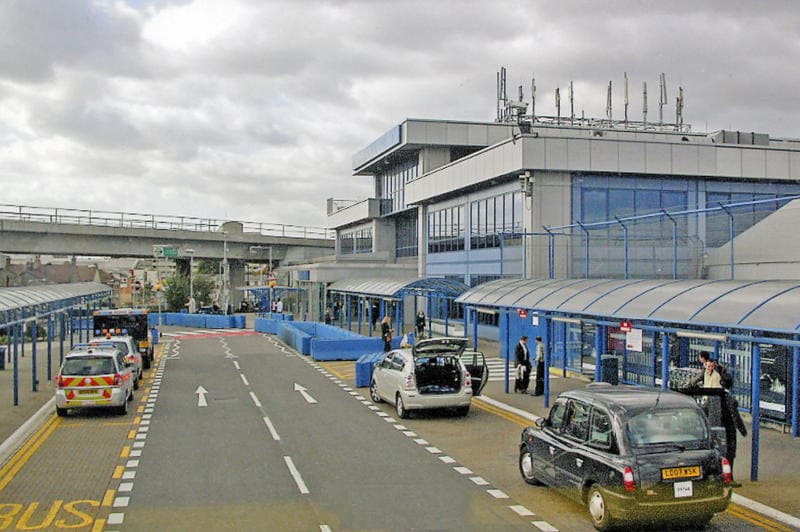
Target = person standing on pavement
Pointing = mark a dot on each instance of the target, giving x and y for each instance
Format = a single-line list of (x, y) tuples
[(419, 323), (716, 376), (386, 333), (523, 373), (538, 388)]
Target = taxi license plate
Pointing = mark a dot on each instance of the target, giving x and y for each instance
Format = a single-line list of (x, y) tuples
[(683, 489), (672, 473)]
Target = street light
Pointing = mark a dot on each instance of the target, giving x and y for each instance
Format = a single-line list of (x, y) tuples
[(225, 270), (192, 306)]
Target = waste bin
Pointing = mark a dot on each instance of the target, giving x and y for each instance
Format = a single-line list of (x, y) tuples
[(609, 369)]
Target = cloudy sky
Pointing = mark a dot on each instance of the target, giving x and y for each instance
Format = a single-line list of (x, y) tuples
[(252, 109)]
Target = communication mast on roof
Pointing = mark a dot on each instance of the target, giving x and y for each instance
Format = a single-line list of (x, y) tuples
[(514, 111)]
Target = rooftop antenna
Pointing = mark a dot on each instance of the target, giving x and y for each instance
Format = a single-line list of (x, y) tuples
[(497, 95), (644, 103), (571, 105), (625, 76), (558, 105), (533, 99), (608, 102), (662, 99), (679, 109)]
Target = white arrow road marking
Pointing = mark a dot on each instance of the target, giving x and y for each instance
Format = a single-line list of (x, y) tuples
[(201, 396), (296, 475), (305, 395)]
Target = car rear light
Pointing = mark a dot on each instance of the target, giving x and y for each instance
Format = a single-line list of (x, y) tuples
[(467, 379), (627, 479), (727, 471), (410, 381), (117, 379), (61, 382)]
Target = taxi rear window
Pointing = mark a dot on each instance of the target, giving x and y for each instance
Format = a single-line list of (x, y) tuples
[(667, 426), (88, 366)]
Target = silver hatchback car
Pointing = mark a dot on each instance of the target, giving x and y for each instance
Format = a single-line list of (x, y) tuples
[(435, 373)]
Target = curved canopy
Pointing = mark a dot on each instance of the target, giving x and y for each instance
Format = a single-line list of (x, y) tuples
[(769, 305), (19, 297), (394, 288)]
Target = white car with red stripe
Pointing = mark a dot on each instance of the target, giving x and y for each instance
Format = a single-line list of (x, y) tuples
[(95, 378)]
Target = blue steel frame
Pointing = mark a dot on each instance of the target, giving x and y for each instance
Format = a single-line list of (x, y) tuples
[(552, 232), (735, 332), (432, 288), (15, 320)]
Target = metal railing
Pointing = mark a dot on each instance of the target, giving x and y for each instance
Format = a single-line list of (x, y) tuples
[(132, 220)]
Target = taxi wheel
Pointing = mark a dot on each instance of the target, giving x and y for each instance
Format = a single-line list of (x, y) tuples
[(526, 467), (598, 510), (130, 397), (401, 408), (373, 392), (61, 412), (146, 362), (136, 383)]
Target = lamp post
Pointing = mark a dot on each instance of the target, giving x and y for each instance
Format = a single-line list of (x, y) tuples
[(190, 252), (225, 271)]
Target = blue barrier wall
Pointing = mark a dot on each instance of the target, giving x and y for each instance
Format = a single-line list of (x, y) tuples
[(201, 321), (364, 367)]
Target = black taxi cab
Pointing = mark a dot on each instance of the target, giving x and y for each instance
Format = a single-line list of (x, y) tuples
[(630, 454)]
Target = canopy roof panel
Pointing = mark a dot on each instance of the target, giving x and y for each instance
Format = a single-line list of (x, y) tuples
[(397, 287), (769, 305), (19, 297)]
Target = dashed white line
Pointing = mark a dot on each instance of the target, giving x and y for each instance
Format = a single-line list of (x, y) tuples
[(479, 481), (522, 511), (447, 459), (136, 452), (132, 463), (544, 526), (255, 399), (324, 528), (421, 441), (236, 365), (497, 494), (125, 487), (433, 450), (390, 419), (128, 475), (272, 431), (296, 475), (244, 379), (463, 470), (401, 427), (410, 433), (138, 444), (121, 502), (115, 519)]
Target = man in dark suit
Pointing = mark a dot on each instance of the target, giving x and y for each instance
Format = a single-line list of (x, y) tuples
[(523, 368)]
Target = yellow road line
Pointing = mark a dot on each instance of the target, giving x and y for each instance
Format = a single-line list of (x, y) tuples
[(140, 409), (137, 420), (99, 525), (339, 375), (757, 519), (9, 471), (508, 416), (108, 498), (126, 451), (118, 472), (131, 434)]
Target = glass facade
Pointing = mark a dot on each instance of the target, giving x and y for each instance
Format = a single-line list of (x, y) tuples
[(355, 241), (406, 235), (446, 229), (393, 181), (491, 216)]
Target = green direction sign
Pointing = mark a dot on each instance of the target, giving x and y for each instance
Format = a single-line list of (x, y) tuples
[(165, 251)]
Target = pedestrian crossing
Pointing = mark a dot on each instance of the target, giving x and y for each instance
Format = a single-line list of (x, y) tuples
[(206, 333)]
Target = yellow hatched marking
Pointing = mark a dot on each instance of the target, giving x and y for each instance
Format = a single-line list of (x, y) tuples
[(140, 409), (108, 498), (9, 471), (99, 525), (137, 420), (118, 472), (126, 451), (131, 434), (757, 519)]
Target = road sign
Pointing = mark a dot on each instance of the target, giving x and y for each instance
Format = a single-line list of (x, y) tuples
[(136, 285), (169, 252), (523, 313), (625, 326)]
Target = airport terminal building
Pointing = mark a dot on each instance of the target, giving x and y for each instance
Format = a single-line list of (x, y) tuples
[(531, 201)]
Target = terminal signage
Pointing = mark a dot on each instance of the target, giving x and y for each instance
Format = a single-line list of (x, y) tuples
[(625, 326), (523, 313)]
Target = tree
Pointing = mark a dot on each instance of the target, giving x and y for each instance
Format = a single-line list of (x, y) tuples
[(176, 292), (208, 266)]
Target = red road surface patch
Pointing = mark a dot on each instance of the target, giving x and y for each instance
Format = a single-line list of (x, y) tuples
[(215, 335)]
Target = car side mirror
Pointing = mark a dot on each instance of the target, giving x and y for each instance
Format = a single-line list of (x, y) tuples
[(540, 423)]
